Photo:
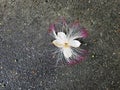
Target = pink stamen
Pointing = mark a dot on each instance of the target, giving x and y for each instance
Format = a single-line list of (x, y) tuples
[(77, 60), (75, 24), (84, 33), (72, 62), (80, 58), (62, 20), (84, 52), (51, 28)]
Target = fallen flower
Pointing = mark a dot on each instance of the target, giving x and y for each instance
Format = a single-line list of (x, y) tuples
[(66, 36)]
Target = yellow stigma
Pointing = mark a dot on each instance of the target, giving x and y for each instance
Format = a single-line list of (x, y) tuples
[(66, 45)]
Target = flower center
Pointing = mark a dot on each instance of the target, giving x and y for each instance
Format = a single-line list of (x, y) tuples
[(66, 45)]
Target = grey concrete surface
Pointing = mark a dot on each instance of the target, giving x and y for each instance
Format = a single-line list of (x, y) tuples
[(25, 56)]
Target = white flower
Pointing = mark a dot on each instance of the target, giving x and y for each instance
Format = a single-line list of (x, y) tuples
[(65, 39), (65, 43)]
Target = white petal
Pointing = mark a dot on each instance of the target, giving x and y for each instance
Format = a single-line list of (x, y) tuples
[(58, 43), (67, 52), (61, 35), (74, 43)]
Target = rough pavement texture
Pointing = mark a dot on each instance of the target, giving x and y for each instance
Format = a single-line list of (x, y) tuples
[(25, 58)]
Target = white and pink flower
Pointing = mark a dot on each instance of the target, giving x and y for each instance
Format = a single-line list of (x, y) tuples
[(66, 36)]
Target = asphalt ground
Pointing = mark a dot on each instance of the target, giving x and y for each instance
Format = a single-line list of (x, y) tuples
[(25, 46)]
